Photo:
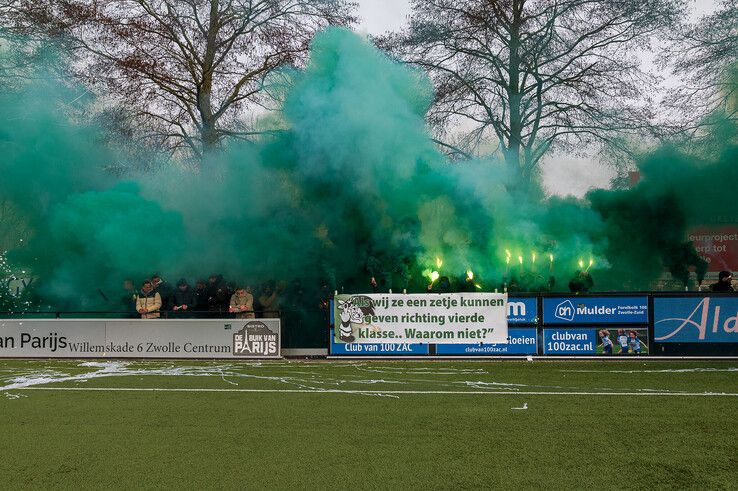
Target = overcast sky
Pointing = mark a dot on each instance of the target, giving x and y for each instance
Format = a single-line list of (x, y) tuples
[(378, 16), (561, 174)]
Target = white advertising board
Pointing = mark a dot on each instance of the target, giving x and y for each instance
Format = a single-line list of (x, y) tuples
[(455, 318), (140, 338)]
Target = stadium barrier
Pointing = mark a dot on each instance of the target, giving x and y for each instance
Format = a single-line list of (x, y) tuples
[(664, 324)]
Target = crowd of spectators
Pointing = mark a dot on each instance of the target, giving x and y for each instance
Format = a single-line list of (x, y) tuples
[(211, 298)]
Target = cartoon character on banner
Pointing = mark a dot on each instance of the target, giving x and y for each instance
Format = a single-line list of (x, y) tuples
[(351, 313)]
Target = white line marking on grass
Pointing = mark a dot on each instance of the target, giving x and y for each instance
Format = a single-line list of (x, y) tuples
[(381, 392), (666, 370)]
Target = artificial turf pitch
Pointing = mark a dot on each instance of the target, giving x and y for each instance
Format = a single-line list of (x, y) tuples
[(368, 425)]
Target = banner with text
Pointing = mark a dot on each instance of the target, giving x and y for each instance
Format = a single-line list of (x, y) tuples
[(137, 338), (595, 310), (695, 319), (522, 341), (569, 341), (716, 244), (377, 349), (421, 318), (628, 340), (522, 310)]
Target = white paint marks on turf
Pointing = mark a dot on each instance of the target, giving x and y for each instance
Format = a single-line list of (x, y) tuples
[(288, 381), (386, 392), (483, 385), (665, 370), (228, 373), (417, 370), (32, 378)]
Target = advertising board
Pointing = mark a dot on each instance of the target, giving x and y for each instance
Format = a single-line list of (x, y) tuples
[(628, 340), (139, 338), (521, 341), (522, 310), (377, 349), (595, 310), (421, 318), (695, 319)]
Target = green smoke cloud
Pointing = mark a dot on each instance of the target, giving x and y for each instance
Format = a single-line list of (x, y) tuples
[(353, 188)]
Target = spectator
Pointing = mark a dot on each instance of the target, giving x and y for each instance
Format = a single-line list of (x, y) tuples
[(217, 295), (230, 289), (467, 283), (183, 299), (242, 304), (164, 290), (443, 285), (724, 283), (581, 283), (128, 300), (269, 300), (201, 298), (148, 302)]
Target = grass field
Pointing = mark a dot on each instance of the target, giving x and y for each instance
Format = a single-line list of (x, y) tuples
[(368, 425)]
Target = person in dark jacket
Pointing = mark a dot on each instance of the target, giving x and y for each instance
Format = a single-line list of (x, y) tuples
[(183, 299), (218, 297), (724, 283), (581, 283), (164, 290), (443, 285), (201, 298), (269, 300)]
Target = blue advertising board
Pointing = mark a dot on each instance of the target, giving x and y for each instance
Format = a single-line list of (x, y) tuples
[(595, 310), (570, 341), (377, 349), (695, 319), (522, 310), (520, 342)]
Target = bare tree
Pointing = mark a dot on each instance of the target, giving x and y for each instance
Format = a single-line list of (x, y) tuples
[(20, 54), (705, 56), (187, 69), (535, 75)]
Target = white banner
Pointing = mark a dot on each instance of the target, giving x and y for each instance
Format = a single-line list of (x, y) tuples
[(463, 318), (138, 338)]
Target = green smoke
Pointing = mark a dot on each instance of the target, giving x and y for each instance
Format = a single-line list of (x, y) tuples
[(353, 188)]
